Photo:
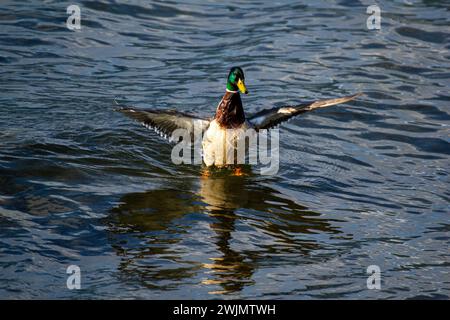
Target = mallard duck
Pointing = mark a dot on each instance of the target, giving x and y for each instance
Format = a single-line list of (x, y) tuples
[(229, 117)]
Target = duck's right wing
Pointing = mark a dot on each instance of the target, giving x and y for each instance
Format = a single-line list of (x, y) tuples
[(269, 118), (165, 122)]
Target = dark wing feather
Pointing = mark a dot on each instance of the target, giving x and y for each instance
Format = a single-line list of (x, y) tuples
[(269, 118), (165, 122)]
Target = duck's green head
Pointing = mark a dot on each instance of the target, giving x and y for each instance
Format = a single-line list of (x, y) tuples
[(236, 80)]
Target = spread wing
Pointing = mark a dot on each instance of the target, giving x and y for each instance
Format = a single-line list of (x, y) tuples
[(269, 118), (165, 122)]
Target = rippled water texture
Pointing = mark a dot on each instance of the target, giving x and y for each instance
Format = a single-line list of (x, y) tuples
[(365, 183)]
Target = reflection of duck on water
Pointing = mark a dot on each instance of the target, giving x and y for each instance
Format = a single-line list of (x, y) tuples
[(231, 269), (149, 227)]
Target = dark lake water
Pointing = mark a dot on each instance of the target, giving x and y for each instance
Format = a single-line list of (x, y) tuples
[(360, 184)]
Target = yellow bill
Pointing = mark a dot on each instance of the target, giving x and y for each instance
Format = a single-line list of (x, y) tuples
[(241, 86)]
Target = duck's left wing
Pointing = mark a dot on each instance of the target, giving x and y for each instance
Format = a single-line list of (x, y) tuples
[(269, 118), (165, 122)]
